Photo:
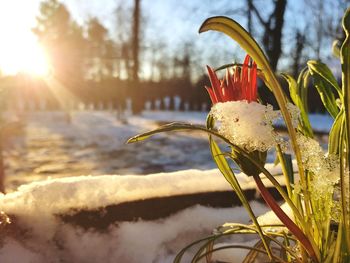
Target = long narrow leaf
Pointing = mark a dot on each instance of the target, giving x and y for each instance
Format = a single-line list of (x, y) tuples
[(345, 64), (294, 94), (185, 126), (227, 172), (334, 134), (243, 38), (327, 96), (303, 85), (320, 69)]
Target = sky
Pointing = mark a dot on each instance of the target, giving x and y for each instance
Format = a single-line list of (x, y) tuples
[(173, 22)]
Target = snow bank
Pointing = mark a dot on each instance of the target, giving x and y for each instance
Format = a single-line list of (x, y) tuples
[(41, 235)]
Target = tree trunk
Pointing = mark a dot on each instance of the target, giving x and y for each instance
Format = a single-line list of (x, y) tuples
[(137, 99), (299, 47), (273, 33)]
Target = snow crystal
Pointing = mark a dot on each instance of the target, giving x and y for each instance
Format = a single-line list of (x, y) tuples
[(325, 167), (294, 114), (248, 125)]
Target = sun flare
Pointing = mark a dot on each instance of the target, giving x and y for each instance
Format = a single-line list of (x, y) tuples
[(29, 58), (34, 61)]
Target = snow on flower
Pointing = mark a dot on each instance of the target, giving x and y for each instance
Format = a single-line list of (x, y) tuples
[(248, 125), (243, 121)]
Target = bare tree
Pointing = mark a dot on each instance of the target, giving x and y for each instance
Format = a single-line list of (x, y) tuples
[(297, 52), (324, 24), (273, 26), (137, 100)]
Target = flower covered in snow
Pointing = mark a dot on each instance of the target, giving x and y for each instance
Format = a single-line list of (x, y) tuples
[(243, 121)]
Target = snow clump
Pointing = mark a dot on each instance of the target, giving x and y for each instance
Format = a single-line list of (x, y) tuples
[(247, 125)]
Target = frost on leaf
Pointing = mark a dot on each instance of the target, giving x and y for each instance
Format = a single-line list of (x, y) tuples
[(294, 114), (324, 174), (248, 125)]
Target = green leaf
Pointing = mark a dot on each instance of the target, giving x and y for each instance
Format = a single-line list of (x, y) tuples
[(183, 126), (327, 96), (210, 122), (345, 65), (321, 70), (303, 84), (294, 94), (239, 34), (227, 172), (324, 82), (174, 126), (258, 166), (289, 167), (334, 134)]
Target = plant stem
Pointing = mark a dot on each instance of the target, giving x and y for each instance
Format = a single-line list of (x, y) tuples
[(284, 218), (284, 170), (345, 156)]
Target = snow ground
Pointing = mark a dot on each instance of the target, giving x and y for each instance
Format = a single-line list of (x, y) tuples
[(48, 147), (44, 237)]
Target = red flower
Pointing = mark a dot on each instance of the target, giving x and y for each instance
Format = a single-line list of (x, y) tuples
[(241, 85)]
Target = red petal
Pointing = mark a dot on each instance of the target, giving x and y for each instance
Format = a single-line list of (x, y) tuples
[(253, 82), (229, 86), (211, 94), (244, 79), (215, 84), (237, 83)]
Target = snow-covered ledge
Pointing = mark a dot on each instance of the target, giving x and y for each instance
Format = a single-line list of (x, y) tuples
[(115, 218)]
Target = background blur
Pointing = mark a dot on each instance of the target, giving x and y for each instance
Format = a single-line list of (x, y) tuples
[(63, 59), (98, 54)]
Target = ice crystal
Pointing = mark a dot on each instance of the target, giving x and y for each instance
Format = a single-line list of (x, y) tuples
[(323, 170), (324, 167), (294, 114), (248, 125)]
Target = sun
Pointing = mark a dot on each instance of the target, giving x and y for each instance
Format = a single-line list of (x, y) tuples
[(24, 57), (34, 61)]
